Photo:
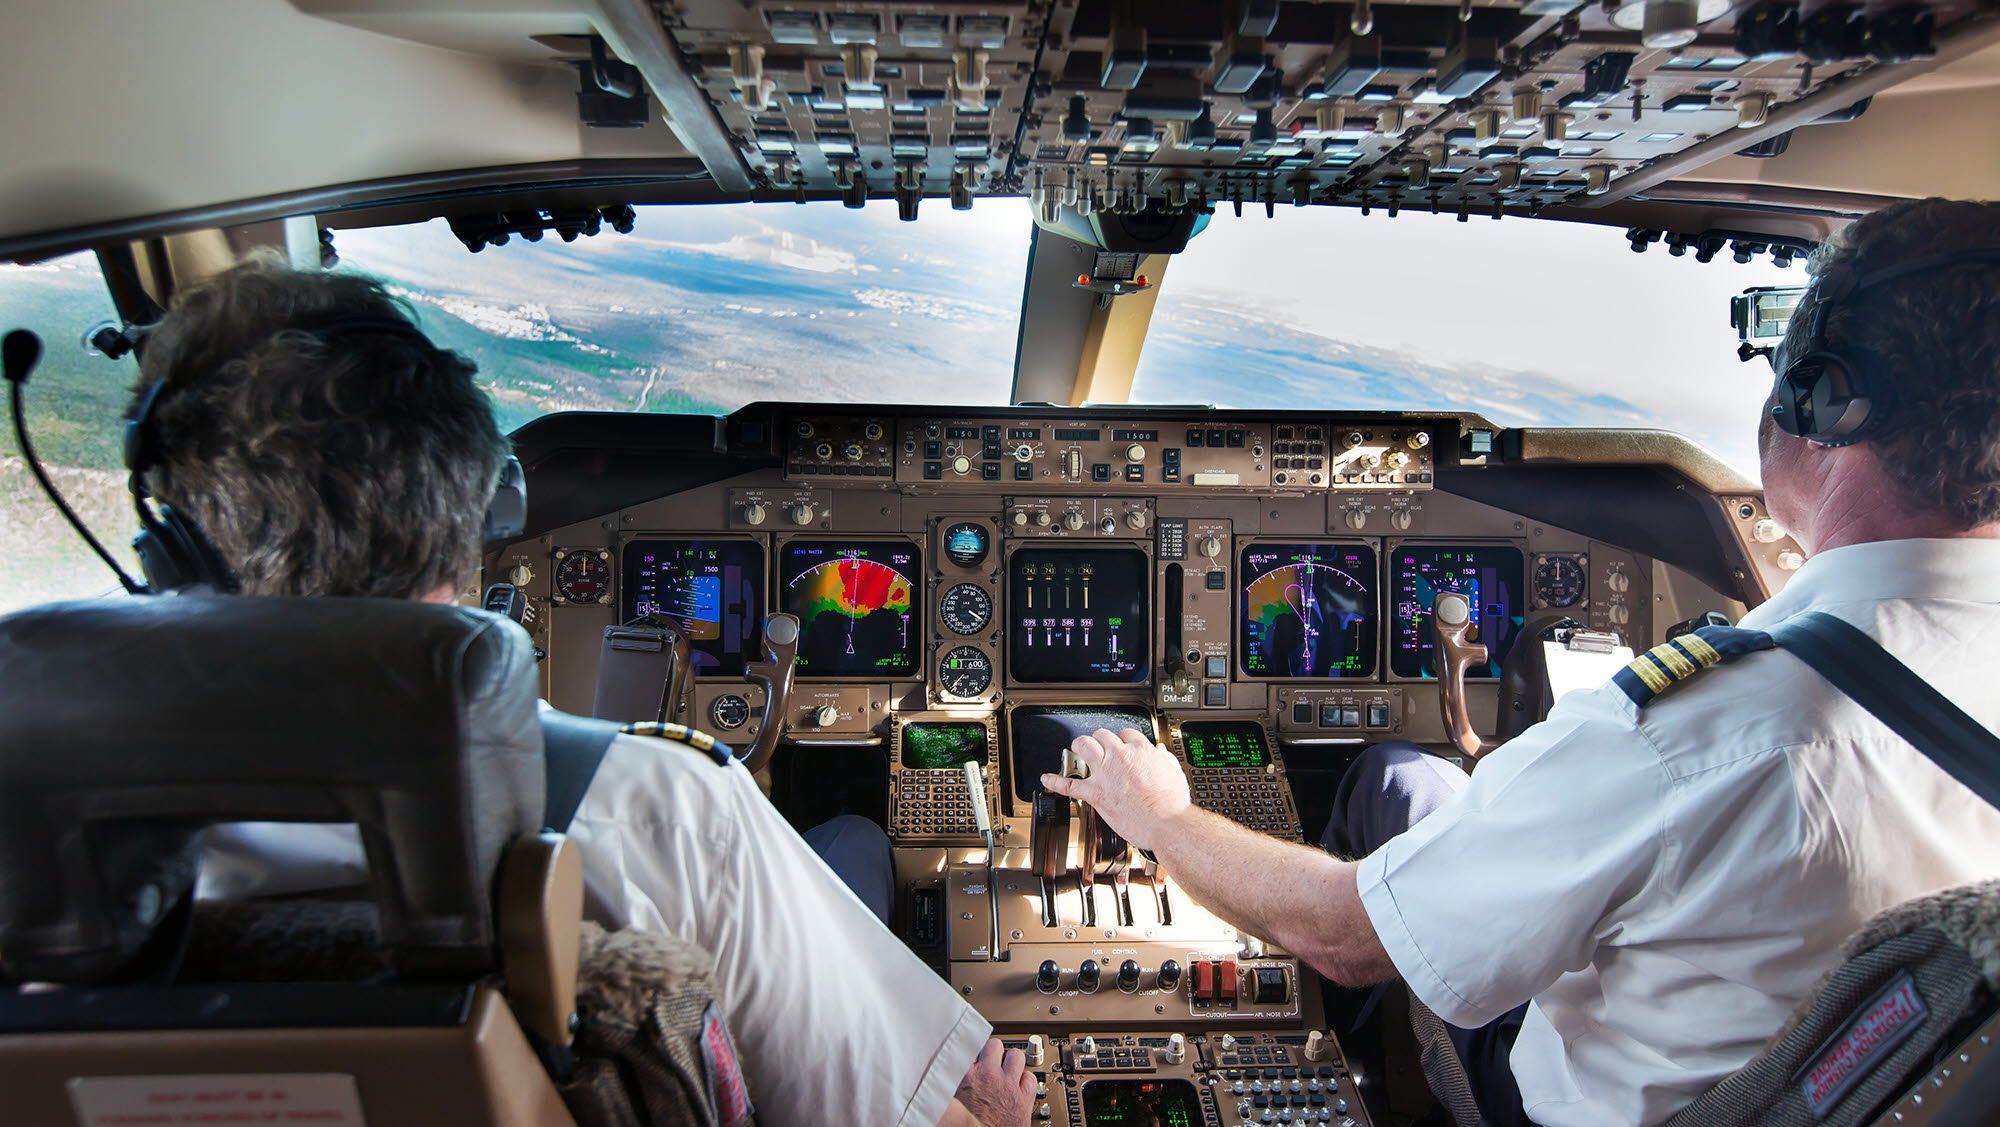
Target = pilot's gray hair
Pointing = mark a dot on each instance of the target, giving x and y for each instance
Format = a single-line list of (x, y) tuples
[(355, 464), (1935, 338)]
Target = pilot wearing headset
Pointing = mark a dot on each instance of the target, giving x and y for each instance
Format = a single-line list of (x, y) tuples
[(294, 434), (1624, 903)]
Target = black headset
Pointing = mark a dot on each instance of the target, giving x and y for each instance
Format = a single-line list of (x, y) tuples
[(173, 551), (1832, 399)]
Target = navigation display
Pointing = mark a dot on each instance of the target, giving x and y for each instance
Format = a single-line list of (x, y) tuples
[(712, 591), (857, 605), (1224, 743), (1077, 615), (1142, 1103), (1039, 733), (1307, 610), (1489, 576), (932, 746)]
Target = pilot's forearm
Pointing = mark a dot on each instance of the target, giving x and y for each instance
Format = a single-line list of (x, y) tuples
[(1296, 897)]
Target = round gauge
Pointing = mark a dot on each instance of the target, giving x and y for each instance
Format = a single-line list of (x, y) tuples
[(966, 543), (729, 712), (966, 609), (965, 672), (583, 576), (1559, 580)]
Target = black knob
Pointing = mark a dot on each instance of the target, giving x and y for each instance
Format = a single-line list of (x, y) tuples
[(1086, 976), (1170, 974), (1048, 976), (1128, 975)]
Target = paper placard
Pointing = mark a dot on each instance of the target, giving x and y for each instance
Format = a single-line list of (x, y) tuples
[(323, 1099)]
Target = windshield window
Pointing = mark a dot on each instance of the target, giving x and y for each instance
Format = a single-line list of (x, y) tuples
[(76, 417), (1528, 323), (706, 308)]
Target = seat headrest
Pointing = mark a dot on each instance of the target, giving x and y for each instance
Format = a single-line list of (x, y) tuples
[(126, 726)]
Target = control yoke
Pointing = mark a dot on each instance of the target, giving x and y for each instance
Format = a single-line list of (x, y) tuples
[(1451, 619), (774, 673)]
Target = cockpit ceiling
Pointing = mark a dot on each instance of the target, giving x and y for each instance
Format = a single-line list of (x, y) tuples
[(419, 108), (1456, 106)]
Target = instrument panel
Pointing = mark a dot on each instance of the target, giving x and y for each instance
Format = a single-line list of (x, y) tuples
[(975, 590)]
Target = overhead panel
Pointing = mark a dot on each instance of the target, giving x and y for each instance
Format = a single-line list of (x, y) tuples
[(1121, 105)]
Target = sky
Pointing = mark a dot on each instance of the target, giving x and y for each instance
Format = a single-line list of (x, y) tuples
[(1567, 302)]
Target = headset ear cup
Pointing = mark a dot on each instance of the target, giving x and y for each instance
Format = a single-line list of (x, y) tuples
[(175, 554), (1821, 399)]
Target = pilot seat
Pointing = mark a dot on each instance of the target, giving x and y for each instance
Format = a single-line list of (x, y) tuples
[(459, 985)]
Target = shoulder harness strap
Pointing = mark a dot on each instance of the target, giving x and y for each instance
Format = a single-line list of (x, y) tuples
[(1679, 659)]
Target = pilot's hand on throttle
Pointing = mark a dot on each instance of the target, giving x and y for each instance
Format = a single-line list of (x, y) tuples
[(1135, 784), (999, 1090)]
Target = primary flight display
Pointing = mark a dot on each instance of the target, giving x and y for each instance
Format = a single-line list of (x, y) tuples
[(857, 605), (712, 591), (1489, 576)]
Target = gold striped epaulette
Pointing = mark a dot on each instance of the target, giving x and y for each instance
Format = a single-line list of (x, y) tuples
[(1679, 659), (698, 740)]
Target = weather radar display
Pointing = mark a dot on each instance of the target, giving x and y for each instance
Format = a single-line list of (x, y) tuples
[(856, 605), (1307, 610)]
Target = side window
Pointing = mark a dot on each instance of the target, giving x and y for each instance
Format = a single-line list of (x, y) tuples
[(75, 410)]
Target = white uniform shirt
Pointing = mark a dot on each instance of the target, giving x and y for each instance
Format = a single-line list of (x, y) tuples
[(836, 1019), (1667, 884)]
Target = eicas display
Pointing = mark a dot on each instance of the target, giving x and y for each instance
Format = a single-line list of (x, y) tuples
[(712, 591), (1307, 610), (857, 606), (1489, 576), (1077, 615), (1038, 733)]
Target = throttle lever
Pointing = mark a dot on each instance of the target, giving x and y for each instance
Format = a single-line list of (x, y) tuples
[(1456, 653), (774, 673)]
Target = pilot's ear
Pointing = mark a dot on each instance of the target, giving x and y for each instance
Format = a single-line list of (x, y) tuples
[(445, 595)]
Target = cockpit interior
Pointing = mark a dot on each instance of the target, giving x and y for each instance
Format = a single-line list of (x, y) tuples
[(908, 610)]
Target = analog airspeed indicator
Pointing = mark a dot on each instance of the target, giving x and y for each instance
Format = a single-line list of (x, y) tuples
[(966, 609), (965, 672)]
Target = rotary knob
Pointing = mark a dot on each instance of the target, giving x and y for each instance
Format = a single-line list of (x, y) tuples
[(1020, 518), (1073, 520), (1355, 519), (1087, 1046), (961, 465), (1136, 520), (827, 715), (1037, 1051), (1371, 460), (1024, 453), (852, 451), (1418, 439), (873, 432), (1789, 560), (1210, 546), (1618, 582), (800, 512), (753, 512), (1135, 453), (1043, 519), (1767, 531), (1400, 519), (1398, 460), (520, 575), (1315, 1045), (1619, 614), (1176, 1050)]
